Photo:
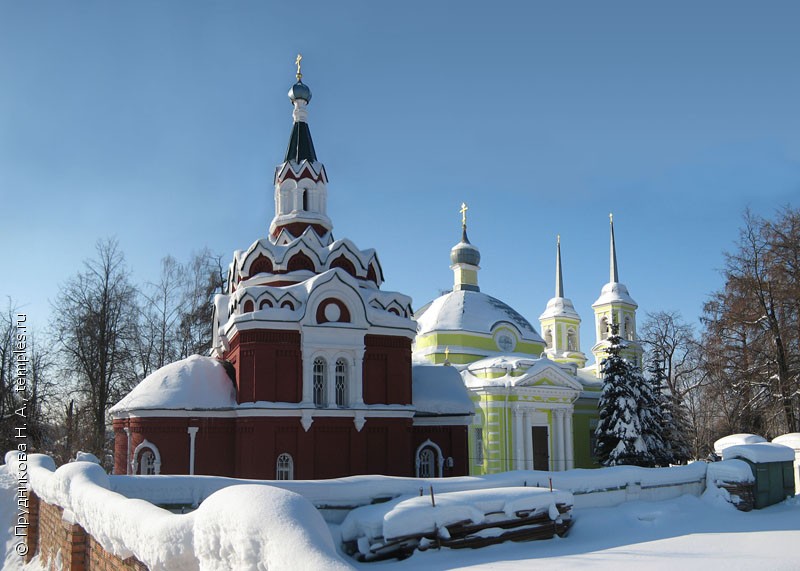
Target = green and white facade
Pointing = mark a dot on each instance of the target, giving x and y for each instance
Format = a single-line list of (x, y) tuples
[(535, 398)]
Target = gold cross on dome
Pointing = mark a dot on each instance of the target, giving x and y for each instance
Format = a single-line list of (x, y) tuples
[(297, 63), (447, 353), (463, 212)]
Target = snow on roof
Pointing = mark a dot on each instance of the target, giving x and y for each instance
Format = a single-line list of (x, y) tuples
[(439, 389), (759, 453), (517, 370), (729, 471), (735, 440), (560, 307), (614, 292), (194, 383), (474, 311)]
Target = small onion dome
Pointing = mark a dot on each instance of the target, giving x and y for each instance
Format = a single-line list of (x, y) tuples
[(464, 252), (300, 91)]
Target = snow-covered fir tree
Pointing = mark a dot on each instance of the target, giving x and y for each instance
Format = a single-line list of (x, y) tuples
[(655, 414), (619, 433), (673, 432)]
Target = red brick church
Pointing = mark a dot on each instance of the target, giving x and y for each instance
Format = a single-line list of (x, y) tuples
[(310, 374)]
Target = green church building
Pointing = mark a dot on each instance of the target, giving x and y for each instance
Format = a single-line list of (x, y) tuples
[(535, 398)]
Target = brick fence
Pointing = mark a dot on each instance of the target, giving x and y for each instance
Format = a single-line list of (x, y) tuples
[(67, 546)]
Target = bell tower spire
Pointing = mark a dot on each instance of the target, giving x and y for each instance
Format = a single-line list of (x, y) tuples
[(301, 194), (561, 324), (615, 307)]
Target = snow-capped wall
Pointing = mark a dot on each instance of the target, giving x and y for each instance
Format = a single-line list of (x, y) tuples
[(226, 532)]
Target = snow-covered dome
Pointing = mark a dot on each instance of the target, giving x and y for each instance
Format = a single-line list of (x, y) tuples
[(559, 307), (474, 311), (189, 384), (737, 440), (614, 292)]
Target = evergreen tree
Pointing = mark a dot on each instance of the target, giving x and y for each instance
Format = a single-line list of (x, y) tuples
[(657, 407), (672, 419), (619, 431)]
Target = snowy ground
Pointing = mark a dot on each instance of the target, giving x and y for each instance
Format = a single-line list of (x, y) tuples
[(686, 533)]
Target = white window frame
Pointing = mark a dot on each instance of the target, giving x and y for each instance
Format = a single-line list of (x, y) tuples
[(284, 467), (341, 384), (318, 382)]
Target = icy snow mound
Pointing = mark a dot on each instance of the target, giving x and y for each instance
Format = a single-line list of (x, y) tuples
[(259, 528), (792, 440), (735, 440), (729, 471), (194, 383), (406, 516), (759, 453)]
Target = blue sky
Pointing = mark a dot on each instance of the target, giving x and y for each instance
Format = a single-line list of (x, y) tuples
[(160, 123)]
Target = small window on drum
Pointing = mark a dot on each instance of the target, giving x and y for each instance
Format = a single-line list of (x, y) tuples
[(265, 304), (248, 306), (287, 305)]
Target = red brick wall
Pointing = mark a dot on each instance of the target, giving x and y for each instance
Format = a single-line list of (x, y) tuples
[(268, 366), (387, 370), (77, 550), (214, 449), (453, 442), (332, 447)]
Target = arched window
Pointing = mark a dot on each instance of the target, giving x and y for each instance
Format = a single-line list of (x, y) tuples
[(628, 329), (345, 264), (305, 199), (264, 303), (284, 467), (262, 264), (572, 340), (341, 382), (427, 463), (146, 459), (147, 463), (287, 305), (300, 262), (548, 338), (604, 328), (319, 382), (248, 306)]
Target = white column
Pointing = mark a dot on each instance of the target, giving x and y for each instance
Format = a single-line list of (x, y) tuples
[(128, 461), (357, 378), (528, 440), (519, 450), (570, 440), (192, 430), (558, 438), (330, 382)]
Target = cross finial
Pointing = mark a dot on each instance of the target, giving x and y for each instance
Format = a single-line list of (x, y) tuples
[(463, 212), (297, 63), (446, 353), (610, 215)]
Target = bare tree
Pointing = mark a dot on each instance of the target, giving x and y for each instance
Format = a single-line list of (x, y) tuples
[(95, 321), (204, 278), (752, 332), (159, 339)]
